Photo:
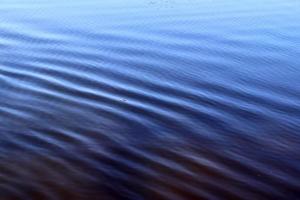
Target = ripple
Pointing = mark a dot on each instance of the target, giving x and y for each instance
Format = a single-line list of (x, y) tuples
[(173, 99)]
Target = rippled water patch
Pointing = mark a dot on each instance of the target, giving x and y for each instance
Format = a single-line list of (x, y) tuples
[(149, 99)]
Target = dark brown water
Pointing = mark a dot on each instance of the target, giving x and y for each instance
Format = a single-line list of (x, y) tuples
[(149, 100)]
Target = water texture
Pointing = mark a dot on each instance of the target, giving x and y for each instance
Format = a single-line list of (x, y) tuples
[(149, 99)]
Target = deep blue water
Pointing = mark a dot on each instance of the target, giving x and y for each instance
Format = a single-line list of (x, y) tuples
[(149, 99)]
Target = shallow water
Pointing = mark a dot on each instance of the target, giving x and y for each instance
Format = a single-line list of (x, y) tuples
[(149, 99)]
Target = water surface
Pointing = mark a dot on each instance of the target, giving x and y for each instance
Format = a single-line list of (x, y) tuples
[(149, 99)]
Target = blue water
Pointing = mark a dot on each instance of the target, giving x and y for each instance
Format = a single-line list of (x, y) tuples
[(149, 99)]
